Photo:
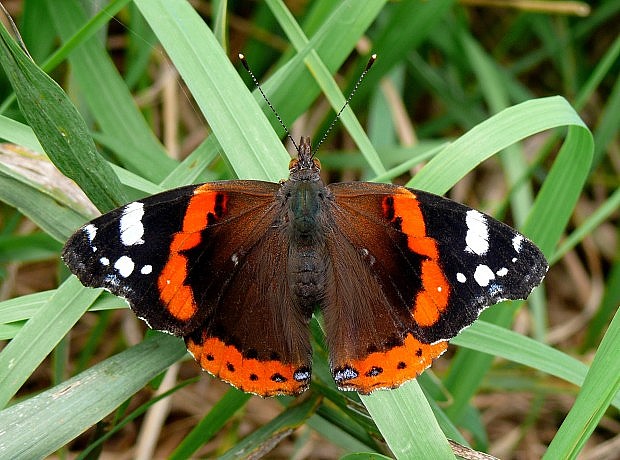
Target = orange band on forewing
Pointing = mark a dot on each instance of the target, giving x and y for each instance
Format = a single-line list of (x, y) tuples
[(407, 207), (424, 246), (173, 292), (203, 203), (432, 300), (265, 378), (392, 368)]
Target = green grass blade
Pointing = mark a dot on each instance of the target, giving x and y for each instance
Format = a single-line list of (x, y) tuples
[(22, 308), (28, 248), (491, 136), (19, 133), (25, 307), (407, 422), (89, 29), (545, 222), (599, 388), (217, 417), (328, 85), (96, 23), (419, 18), (41, 334), (293, 88), (220, 23), (23, 135), (489, 338), (195, 165), (251, 146), (59, 126), (108, 97), (8, 331), (118, 427), (340, 434), (364, 456), (603, 213), (83, 400), (56, 218), (496, 96), (263, 440), (607, 128), (608, 306)]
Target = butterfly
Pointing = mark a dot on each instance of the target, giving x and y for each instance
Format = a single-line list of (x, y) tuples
[(237, 268)]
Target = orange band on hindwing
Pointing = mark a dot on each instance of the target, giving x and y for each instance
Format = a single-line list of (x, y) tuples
[(264, 378), (388, 369), (404, 208), (205, 206)]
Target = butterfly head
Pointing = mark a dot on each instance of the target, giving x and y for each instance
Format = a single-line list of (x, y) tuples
[(305, 167)]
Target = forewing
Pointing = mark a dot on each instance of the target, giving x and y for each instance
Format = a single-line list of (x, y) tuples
[(138, 251)]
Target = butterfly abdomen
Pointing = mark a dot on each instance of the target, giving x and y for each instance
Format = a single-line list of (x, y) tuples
[(307, 274)]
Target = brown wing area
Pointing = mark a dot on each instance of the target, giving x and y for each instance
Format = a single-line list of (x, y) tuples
[(385, 284), (250, 333), (255, 338)]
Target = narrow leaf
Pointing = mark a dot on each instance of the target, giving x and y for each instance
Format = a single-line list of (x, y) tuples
[(58, 126)]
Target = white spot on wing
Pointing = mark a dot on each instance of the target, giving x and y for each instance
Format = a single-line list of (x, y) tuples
[(91, 232), (235, 259), (483, 275), (300, 376), (131, 228), (125, 266), (461, 278), (516, 242), (502, 271), (104, 261), (345, 374), (147, 269), (477, 238)]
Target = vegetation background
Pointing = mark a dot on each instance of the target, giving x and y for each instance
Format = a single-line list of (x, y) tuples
[(512, 107)]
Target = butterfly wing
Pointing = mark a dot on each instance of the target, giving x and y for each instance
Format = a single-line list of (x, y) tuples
[(189, 262), (427, 267)]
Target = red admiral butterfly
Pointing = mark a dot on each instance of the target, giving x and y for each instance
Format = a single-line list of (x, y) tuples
[(238, 268)]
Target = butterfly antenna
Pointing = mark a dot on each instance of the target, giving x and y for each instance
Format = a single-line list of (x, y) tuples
[(254, 79), (371, 61)]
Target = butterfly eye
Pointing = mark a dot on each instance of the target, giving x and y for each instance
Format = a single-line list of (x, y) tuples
[(292, 163), (316, 162)]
